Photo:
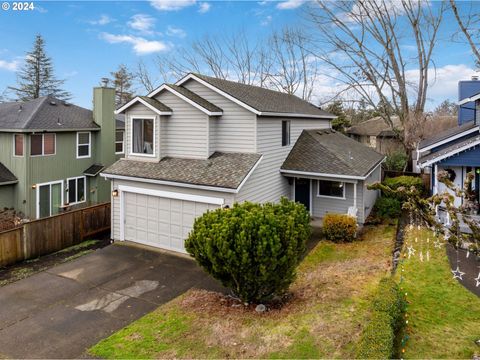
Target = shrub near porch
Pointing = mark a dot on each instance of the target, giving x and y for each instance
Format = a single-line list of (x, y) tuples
[(325, 317)]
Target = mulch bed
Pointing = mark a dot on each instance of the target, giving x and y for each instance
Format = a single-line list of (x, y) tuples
[(26, 268)]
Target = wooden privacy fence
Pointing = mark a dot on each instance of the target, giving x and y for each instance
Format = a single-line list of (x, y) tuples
[(45, 236)]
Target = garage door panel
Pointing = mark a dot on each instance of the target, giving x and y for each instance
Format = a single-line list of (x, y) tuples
[(159, 221)]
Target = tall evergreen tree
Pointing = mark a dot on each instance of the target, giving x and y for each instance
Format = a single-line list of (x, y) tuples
[(36, 78), (341, 122), (122, 81)]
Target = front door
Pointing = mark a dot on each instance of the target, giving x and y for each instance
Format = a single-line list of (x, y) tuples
[(302, 192), (49, 199)]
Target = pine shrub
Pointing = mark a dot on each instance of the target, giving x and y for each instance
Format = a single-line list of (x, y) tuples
[(339, 227), (388, 208), (253, 249)]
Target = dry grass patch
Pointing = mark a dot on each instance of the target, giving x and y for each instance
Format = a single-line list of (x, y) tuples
[(323, 317)]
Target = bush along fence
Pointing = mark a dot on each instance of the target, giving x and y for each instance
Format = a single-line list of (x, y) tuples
[(47, 235)]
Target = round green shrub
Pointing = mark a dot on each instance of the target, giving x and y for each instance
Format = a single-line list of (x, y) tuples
[(388, 208), (253, 249), (339, 227), (396, 161)]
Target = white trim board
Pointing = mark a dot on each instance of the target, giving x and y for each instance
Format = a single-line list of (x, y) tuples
[(172, 195), (449, 154), (469, 99), (154, 135), (451, 138), (138, 99), (325, 175), (183, 97)]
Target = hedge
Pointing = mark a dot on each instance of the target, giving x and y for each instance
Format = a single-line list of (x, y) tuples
[(388, 208), (339, 227), (378, 337), (406, 182)]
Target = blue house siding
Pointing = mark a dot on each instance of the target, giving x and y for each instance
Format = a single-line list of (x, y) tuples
[(466, 89), (469, 157)]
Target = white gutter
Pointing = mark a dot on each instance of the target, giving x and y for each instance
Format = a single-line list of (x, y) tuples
[(451, 138), (469, 99), (449, 154)]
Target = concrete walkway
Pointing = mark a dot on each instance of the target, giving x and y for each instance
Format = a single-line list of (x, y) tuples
[(61, 312)]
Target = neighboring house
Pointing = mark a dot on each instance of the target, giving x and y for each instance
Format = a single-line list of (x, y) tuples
[(206, 143), (51, 153), (455, 150), (377, 134)]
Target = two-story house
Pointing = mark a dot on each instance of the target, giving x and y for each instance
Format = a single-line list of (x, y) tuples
[(51, 153), (456, 150), (205, 143)]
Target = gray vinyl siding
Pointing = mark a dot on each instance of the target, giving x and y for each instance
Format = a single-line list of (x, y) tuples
[(323, 205), (370, 196), (115, 216), (139, 110), (235, 130), (212, 134), (185, 131), (266, 183)]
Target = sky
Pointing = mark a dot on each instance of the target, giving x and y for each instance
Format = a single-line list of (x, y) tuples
[(87, 40)]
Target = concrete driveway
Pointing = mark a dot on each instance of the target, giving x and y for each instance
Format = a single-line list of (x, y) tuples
[(61, 312)]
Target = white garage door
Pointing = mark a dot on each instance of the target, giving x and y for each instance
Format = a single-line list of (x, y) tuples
[(159, 221)]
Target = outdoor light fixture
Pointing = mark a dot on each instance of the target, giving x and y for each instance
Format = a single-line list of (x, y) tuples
[(114, 193), (34, 186)]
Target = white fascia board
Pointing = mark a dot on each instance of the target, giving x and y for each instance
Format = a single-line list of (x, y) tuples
[(172, 195), (446, 141), (183, 97), (333, 176), (137, 99), (469, 99), (211, 87), (249, 174), (449, 154), (276, 114), (168, 183)]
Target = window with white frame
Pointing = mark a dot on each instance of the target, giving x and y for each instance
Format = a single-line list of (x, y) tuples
[(42, 144), (76, 190), (119, 142), (18, 144), (83, 145), (334, 189), (142, 136)]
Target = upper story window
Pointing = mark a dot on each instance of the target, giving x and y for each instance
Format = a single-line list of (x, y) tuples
[(142, 136), (119, 141), (42, 144), (18, 144), (334, 189), (285, 132), (83, 145)]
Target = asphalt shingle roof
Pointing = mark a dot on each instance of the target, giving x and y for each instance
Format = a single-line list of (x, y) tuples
[(330, 152), (375, 127), (265, 100), (225, 170), (450, 149), (6, 176), (93, 170), (45, 113), (443, 135), (195, 98), (155, 103)]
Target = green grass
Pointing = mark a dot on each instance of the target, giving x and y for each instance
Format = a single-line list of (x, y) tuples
[(77, 255), (444, 317), (78, 247), (324, 319)]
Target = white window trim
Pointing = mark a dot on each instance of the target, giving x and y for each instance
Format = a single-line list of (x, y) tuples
[(117, 142), (332, 197), (89, 144), (130, 150), (23, 146), (37, 191), (43, 145), (76, 187)]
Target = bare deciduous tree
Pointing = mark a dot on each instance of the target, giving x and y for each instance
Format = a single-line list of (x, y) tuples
[(468, 24), (364, 45), (144, 78)]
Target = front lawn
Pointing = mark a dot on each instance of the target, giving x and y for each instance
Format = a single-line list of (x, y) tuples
[(325, 317), (444, 317)]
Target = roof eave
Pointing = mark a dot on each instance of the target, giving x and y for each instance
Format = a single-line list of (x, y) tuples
[(449, 139), (9, 182), (277, 114), (447, 155), (138, 99)]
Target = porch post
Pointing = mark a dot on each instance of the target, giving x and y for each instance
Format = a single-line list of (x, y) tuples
[(435, 186), (355, 194), (311, 201)]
